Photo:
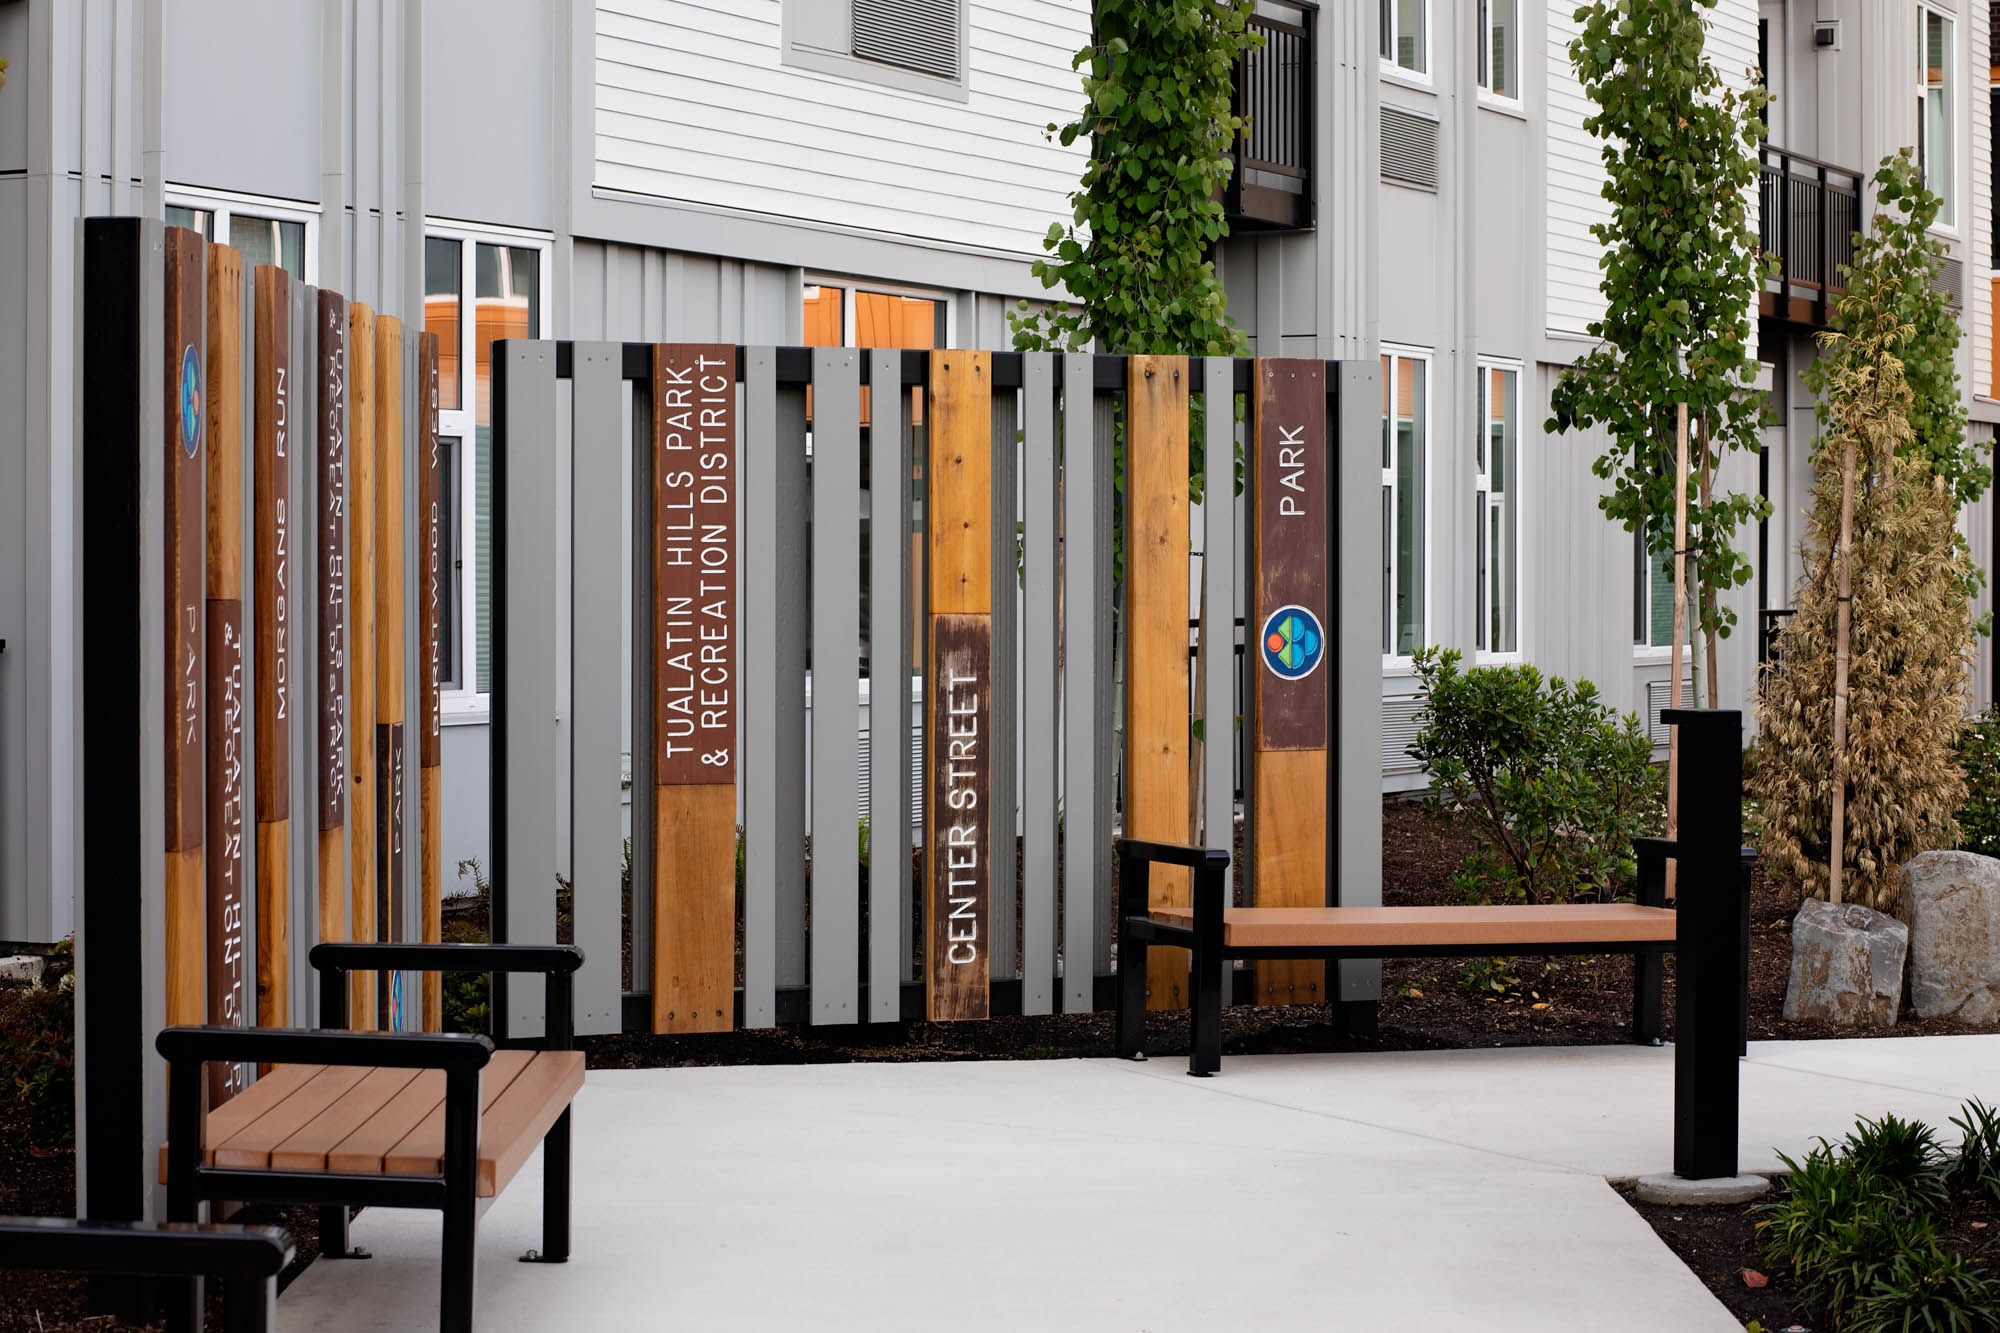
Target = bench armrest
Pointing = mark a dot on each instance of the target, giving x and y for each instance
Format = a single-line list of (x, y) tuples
[(306, 1046), (1170, 854), (155, 1249), (557, 962)]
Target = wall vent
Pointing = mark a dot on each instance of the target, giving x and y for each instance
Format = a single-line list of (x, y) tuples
[(922, 35), (1659, 698), (1399, 728), (1409, 148), (1950, 279)]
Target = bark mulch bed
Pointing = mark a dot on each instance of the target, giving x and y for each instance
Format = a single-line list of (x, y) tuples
[(1720, 1246)]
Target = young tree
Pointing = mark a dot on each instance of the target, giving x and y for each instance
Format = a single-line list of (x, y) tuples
[(1857, 770), (1681, 279)]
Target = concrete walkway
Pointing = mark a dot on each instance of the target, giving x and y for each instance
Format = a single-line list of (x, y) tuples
[(1418, 1191)]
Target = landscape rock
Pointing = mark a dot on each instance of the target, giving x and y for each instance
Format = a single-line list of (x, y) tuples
[(1952, 902), (22, 969), (1847, 965)]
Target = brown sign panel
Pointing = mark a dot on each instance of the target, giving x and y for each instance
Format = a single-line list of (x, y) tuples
[(1289, 555), (186, 418), (227, 1002), (958, 705), (330, 652), (273, 543), (430, 529), (694, 564)]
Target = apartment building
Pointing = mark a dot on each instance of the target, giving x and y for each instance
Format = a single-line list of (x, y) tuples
[(1417, 188)]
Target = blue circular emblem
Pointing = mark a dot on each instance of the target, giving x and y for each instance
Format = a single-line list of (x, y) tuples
[(1293, 643), (190, 401)]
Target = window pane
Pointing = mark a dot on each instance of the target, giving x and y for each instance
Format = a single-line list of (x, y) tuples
[(1412, 40), (1502, 61), (825, 317), (1388, 30), (195, 219), (270, 241), (1660, 598), (443, 301), (506, 304), (1410, 538), (1939, 84)]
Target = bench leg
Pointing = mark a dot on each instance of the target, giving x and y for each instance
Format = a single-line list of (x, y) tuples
[(461, 1218), (555, 1196), (1131, 996), (1204, 1007), (250, 1305), (1648, 977), (333, 1238)]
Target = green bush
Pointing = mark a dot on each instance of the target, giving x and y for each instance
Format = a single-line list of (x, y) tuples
[(38, 1050), (1927, 1286), (1904, 1156), (1977, 1164), (1553, 782), (1979, 756)]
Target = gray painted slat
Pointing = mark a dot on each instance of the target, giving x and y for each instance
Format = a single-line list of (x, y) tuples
[(1219, 582), (914, 612), (1081, 720), (597, 587), (1106, 684), (1002, 908), (533, 786), (1040, 720), (836, 689), (644, 797), (791, 609), (1353, 794), (888, 688)]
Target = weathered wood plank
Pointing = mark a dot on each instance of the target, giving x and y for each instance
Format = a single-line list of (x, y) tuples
[(694, 687), (361, 388), (184, 390), (272, 582), (1156, 667), (330, 618), (430, 665), (1288, 607), (389, 641)]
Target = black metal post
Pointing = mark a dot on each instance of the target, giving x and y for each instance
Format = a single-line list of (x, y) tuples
[(1649, 968), (461, 1199), (1708, 1019), (186, 1088), (1131, 961), (1205, 975)]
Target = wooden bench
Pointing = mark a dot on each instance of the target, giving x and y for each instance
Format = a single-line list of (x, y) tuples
[(1214, 934), (383, 1119)]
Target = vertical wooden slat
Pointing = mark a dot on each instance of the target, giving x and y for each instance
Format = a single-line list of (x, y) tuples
[(1156, 663), (836, 691), (958, 809), (1084, 579), (273, 649), (430, 665), (1041, 720), (361, 390), (185, 394), (330, 613), (888, 690), (1220, 580), (1287, 603), (389, 643), (526, 783), (596, 760), (303, 601), (692, 623), (229, 1002)]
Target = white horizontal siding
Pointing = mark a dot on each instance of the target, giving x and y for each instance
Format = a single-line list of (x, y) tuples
[(694, 102), (1576, 171)]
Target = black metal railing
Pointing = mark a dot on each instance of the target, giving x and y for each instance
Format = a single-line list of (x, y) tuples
[(1272, 185), (1809, 212)]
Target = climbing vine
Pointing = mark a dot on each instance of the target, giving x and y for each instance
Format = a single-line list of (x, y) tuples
[(1681, 279)]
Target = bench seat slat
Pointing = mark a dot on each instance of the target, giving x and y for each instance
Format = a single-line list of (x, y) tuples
[(235, 1114), (515, 1124), (251, 1146), (421, 1151), (1517, 926), (362, 1151), (307, 1148)]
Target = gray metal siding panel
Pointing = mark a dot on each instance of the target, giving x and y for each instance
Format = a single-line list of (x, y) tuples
[(1041, 716), (1003, 920), (836, 710), (890, 769)]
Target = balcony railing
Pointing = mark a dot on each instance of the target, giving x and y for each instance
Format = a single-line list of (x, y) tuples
[(1809, 214), (1272, 185)]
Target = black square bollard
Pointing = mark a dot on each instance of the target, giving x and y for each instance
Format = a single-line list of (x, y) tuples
[(1709, 1000)]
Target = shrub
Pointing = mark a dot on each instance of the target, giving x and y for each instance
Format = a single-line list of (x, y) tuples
[(1979, 755), (1977, 1164), (38, 1050), (1927, 1286), (1554, 783), (1904, 1157)]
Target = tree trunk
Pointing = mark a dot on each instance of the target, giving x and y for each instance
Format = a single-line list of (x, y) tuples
[(1837, 856)]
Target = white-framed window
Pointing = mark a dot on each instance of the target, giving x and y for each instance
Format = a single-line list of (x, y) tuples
[(267, 231), (1500, 48), (1406, 36), (1937, 109), (1496, 511), (917, 46), (480, 285), (1405, 500), (1653, 591)]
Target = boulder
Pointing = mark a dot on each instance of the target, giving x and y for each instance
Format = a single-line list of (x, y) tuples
[(1847, 965), (1952, 902)]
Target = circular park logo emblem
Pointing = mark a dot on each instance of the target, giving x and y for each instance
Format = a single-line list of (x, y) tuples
[(1294, 643), (190, 401)]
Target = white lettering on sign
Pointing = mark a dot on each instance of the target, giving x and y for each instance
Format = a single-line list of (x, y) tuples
[(333, 569), (281, 575), (963, 873), (1291, 470), (697, 553)]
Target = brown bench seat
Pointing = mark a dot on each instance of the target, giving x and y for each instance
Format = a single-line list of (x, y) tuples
[(388, 1121), (1382, 930)]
